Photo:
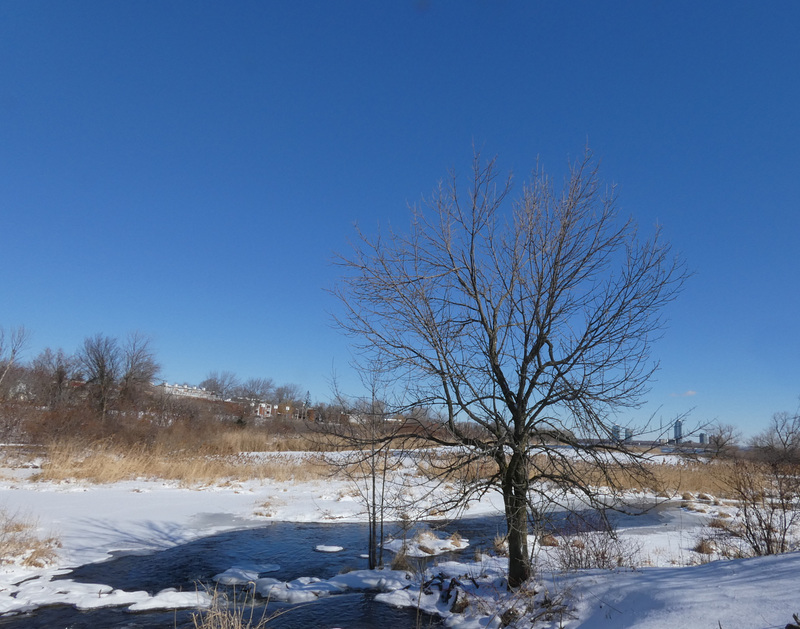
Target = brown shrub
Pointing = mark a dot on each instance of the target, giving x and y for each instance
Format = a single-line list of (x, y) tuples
[(20, 543), (548, 540), (705, 546)]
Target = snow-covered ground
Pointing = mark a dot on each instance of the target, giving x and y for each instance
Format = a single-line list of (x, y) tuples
[(670, 587)]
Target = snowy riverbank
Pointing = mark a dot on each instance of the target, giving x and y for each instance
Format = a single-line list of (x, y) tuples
[(93, 521)]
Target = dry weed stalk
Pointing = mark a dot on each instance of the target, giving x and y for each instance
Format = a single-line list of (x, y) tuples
[(19, 543), (226, 612)]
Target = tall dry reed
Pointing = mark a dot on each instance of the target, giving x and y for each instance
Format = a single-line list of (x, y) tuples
[(103, 462)]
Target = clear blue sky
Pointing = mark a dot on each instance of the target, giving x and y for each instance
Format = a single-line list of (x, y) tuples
[(185, 169)]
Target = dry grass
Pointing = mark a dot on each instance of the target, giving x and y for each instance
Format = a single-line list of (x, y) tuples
[(401, 561), (548, 540), (105, 463), (257, 440), (705, 546), (722, 521), (217, 456), (229, 613), (500, 545), (690, 478), (20, 544)]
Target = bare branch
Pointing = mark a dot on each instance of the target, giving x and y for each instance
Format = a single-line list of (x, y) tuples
[(11, 345), (528, 326)]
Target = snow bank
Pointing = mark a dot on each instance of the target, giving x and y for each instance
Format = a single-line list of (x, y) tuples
[(306, 589), (427, 544), (142, 516), (32, 594)]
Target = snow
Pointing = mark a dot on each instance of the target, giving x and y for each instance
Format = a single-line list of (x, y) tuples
[(425, 544), (758, 592), (668, 588), (238, 575), (172, 599), (322, 548)]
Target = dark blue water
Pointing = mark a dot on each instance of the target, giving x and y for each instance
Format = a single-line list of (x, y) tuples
[(290, 545), (193, 565)]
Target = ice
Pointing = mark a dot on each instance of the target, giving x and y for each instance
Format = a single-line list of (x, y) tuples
[(238, 575), (322, 548)]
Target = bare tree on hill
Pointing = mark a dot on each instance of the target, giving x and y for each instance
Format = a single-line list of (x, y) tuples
[(11, 345), (527, 327), (139, 366), (100, 361), (289, 392), (261, 389), (52, 374), (223, 384)]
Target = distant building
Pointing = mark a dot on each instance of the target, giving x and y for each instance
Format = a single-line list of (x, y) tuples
[(616, 432), (678, 431), (265, 410), (185, 390), (628, 435)]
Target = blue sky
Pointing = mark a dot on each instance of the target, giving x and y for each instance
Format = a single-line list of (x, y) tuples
[(185, 169)]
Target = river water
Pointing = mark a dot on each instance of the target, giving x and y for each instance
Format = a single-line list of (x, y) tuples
[(193, 565), (190, 566)]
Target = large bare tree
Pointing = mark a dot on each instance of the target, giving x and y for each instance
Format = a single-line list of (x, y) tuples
[(101, 362), (139, 366), (529, 324)]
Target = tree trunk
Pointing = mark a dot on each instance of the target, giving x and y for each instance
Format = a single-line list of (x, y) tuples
[(373, 519), (516, 506)]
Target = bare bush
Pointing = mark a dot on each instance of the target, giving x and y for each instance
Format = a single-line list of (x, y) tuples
[(590, 541), (767, 496)]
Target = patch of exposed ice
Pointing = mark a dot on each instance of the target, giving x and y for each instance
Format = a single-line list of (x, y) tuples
[(323, 548)]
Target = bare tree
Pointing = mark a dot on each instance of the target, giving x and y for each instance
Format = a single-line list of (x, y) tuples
[(723, 439), (289, 392), (100, 361), (261, 389), (139, 366), (533, 325), (223, 384), (11, 345), (780, 442), (52, 374), (365, 450)]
